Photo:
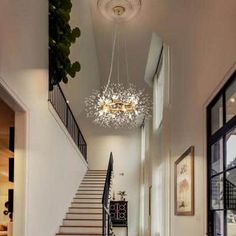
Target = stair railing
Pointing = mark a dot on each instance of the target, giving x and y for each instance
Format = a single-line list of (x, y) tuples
[(59, 102), (105, 199)]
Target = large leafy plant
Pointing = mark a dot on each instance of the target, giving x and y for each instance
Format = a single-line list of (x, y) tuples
[(61, 36)]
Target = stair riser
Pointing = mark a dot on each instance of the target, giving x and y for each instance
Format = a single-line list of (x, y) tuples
[(89, 196), (91, 189), (102, 178), (103, 173), (84, 216), (93, 183), (79, 235), (80, 230), (86, 205), (95, 179), (90, 192), (82, 222), (78, 200), (81, 210), (91, 186)]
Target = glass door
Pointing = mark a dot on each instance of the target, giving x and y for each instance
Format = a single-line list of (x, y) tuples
[(221, 152)]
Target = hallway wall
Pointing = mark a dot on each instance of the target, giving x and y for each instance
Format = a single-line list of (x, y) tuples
[(201, 35), (125, 146), (156, 158), (85, 51), (54, 167)]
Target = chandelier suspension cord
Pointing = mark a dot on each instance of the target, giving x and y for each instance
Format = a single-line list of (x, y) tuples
[(118, 58), (112, 59), (126, 63)]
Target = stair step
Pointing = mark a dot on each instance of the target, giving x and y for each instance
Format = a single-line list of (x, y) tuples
[(84, 210), (81, 222), (77, 216), (86, 196), (81, 229), (94, 177), (93, 182), (92, 186), (89, 188), (63, 234), (101, 186), (88, 201), (96, 173), (93, 191), (79, 195), (93, 204), (80, 200)]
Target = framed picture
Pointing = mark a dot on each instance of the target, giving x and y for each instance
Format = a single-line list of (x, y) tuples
[(184, 184)]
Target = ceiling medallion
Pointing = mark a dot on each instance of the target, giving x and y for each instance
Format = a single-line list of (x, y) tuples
[(126, 9)]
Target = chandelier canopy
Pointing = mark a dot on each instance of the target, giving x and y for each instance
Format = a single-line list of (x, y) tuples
[(118, 105)]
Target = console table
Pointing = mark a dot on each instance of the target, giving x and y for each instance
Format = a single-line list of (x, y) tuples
[(119, 214)]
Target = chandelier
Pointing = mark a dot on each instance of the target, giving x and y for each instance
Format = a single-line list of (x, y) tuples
[(118, 105)]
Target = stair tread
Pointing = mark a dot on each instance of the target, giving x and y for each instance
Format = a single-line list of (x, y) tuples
[(81, 226), (84, 213), (84, 219), (86, 202), (87, 198), (88, 194), (92, 234), (86, 207)]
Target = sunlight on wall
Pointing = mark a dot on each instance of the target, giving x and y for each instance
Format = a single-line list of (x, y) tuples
[(142, 184), (158, 97)]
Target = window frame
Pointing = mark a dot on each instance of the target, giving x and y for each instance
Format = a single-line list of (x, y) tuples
[(213, 138)]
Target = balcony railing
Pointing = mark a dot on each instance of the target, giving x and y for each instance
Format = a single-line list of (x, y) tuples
[(61, 106)]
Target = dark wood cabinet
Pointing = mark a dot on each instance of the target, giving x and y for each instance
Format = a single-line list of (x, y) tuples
[(119, 213)]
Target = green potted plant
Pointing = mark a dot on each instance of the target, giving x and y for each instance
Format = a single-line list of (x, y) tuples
[(61, 36)]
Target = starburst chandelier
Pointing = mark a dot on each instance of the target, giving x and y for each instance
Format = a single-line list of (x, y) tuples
[(117, 105)]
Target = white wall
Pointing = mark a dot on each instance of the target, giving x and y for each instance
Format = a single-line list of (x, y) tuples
[(54, 168), (84, 51), (201, 35), (156, 158), (125, 146)]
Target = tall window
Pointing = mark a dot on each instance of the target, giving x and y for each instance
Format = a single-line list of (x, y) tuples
[(221, 151), (158, 95)]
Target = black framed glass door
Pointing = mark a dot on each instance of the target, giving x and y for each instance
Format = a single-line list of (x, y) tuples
[(221, 155)]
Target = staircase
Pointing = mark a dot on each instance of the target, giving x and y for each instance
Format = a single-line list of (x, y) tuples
[(85, 215)]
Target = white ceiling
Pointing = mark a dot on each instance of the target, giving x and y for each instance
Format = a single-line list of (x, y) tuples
[(93, 50), (137, 33)]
